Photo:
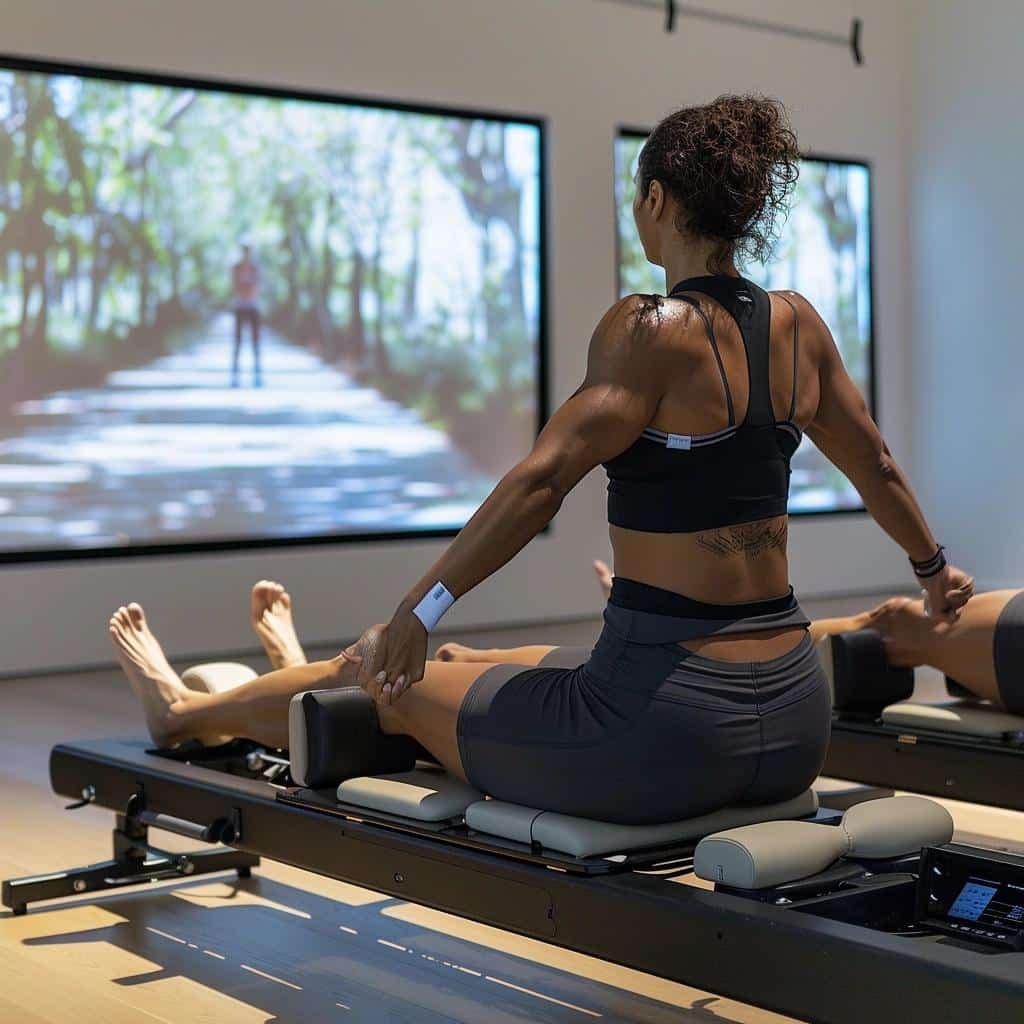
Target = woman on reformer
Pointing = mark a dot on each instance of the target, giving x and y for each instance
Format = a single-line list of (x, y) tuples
[(704, 688)]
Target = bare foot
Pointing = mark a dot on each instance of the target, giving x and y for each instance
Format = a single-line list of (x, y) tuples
[(155, 683), (271, 614), (604, 577), (459, 652)]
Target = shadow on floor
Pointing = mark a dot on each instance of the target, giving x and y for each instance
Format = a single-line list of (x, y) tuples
[(300, 958)]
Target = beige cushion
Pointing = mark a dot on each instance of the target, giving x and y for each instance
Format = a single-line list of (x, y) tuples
[(216, 676), (895, 826), (825, 787), (760, 856), (424, 794), (839, 794), (584, 837), (959, 717), (496, 818)]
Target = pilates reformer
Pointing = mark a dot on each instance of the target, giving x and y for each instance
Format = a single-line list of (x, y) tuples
[(822, 915), (962, 748)]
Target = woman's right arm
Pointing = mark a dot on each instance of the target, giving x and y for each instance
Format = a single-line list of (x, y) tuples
[(847, 435)]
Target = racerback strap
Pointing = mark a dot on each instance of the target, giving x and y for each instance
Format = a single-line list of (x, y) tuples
[(750, 307)]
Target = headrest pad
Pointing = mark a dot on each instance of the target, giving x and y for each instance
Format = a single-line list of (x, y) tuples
[(760, 856), (895, 826)]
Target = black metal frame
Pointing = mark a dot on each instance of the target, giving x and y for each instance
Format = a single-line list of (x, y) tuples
[(805, 959), (134, 860), (14, 62), (632, 132), (972, 769)]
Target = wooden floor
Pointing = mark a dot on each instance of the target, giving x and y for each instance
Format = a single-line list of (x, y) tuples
[(284, 946)]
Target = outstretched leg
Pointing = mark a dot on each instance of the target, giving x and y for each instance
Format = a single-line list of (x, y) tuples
[(152, 679), (963, 650), (530, 655), (237, 349), (258, 710), (270, 611)]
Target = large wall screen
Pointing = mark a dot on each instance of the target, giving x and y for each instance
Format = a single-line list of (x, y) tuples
[(231, 315), (824, 252)]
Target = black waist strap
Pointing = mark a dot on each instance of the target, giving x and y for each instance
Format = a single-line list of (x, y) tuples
[(650, 615)]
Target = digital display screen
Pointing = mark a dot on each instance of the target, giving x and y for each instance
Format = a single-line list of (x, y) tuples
[(972, 901), (978, 896), (990, 903), (824, 253), (232, 316)]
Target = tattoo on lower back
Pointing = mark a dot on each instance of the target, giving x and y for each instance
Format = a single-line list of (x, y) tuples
[(749, 540)]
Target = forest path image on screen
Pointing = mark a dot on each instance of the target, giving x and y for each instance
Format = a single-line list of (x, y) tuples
[(172, 450), (386, 264)]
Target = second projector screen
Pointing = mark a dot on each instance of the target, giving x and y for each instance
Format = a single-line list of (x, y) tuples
[(823, 252)]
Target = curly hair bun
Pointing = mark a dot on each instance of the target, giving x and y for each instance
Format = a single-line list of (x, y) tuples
[(731, 166)]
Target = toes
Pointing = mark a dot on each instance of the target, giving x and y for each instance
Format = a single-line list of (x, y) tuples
[(136, 616)]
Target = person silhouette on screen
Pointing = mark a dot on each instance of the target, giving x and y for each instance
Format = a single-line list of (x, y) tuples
[(246, 279)]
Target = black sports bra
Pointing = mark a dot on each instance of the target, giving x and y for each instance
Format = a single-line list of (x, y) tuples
[(677, 483)]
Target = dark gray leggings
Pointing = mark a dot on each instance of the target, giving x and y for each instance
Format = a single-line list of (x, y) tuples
[(640, 733)]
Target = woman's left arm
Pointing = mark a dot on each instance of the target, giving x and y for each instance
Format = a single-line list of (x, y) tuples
[(617, 399)]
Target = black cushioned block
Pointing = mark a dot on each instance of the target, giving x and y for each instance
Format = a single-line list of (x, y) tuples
[(862, 678), (334, 735)]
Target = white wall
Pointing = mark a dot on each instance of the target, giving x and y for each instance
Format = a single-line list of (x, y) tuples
[(967, 149), (587, 66)]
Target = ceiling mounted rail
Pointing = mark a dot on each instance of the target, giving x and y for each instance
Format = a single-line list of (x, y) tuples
[(674, 10)]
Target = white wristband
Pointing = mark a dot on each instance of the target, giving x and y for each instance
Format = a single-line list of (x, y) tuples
[(435, 603)]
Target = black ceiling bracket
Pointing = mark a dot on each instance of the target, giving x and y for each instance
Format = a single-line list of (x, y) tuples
[(674, 10)]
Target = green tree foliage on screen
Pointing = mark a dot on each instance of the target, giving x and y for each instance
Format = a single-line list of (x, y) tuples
[(401, 247)]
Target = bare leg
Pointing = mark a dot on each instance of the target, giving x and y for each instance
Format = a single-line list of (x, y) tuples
[(270, 611), (237, 349), (255, 323), (429, 710), (822, 628), (152, 679), (258, 709), (530, 655), (961, 650)]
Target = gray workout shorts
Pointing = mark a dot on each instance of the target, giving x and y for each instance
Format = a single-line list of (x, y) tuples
[(640, 733), (1008, 652)]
